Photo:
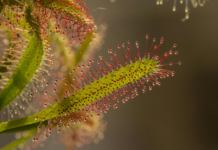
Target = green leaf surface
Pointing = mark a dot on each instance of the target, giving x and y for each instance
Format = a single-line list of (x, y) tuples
[(24, 128), (27, 67)]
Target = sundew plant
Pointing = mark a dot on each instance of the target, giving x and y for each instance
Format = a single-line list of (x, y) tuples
[(71, 97)]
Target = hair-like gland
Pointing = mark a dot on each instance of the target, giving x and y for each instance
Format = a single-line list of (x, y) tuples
[(76, 26), (70, 60), (20, 29), (104, 86)]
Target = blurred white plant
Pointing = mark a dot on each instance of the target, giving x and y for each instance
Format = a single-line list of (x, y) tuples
[(194, 3), (84, 133)]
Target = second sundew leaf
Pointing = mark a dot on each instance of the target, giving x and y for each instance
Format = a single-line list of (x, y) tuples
[(27, 67), (31, 54), (32, 21), (105, 86)]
